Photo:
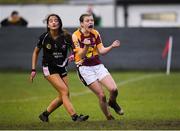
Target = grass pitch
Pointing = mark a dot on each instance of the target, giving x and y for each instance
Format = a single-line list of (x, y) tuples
[(150, 101)]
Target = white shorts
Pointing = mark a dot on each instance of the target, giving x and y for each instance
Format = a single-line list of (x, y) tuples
[(89, 74)]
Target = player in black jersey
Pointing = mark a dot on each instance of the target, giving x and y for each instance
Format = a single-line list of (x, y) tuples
[(55, 44)]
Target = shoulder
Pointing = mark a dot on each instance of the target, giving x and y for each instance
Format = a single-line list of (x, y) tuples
[(77, 33), (4, 20), (43, 35), (23, 19), (95, 32), (41, 40)]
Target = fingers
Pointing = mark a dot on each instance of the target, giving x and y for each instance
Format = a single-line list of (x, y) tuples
[(30, 79), (116, 43), (71, 58), (32, 76), (87, 42)]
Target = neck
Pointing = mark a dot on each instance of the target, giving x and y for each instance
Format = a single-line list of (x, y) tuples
[(85, 31), (54, 33)]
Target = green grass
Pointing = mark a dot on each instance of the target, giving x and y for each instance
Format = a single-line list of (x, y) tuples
[(151, 100)]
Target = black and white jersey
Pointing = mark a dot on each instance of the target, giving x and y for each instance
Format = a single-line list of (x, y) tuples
[(55, 51)]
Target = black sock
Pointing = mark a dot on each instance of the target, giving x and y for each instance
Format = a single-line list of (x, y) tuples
[(74, 117), (46, 113)]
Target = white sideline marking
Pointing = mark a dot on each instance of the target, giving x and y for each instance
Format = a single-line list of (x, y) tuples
[(87, 91)]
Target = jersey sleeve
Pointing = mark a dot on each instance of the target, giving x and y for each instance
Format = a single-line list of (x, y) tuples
[(100, 45), (76, 43), (40, 41), (98, 38)]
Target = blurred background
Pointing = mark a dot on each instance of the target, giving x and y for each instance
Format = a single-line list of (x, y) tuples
[(142, 26)]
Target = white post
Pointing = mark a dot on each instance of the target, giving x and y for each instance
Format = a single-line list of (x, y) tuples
[(169, 55)]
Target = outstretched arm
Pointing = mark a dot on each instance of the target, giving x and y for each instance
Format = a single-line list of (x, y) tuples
[(104, 50)]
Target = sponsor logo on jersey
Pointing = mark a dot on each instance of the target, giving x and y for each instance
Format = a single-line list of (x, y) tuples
[(48, 46)]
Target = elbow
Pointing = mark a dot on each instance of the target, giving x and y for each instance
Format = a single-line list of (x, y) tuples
[(102, 52)]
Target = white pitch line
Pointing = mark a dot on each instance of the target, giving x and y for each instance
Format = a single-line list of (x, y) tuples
[(138, 79), (81, 93), (87, 91), (20, 100)]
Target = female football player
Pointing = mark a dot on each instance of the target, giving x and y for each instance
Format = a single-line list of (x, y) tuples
[(55, 44), (87, 47)]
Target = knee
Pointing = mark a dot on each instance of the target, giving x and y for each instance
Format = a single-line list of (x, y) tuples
[(64, 92), (65, 96), (102, 97), (61, 95)]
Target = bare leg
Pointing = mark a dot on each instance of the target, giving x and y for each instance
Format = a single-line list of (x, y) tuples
[(54, 104), (60, 84), (57, 101), (110, 84), (63, 90), (97, 89)]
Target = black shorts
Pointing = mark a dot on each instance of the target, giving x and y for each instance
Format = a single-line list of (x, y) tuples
[(49, 70)]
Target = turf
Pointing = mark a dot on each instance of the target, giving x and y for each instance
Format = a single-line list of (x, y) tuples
[(151, 100)]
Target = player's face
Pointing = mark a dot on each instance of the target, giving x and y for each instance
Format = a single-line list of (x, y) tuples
[(53, 23), (88, 23)]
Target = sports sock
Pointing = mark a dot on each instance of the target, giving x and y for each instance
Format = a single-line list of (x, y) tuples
[(46, 113), (74, 117)]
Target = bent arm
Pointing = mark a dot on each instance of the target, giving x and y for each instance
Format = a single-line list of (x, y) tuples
[(104, 50), (35, 57), (81, 52)]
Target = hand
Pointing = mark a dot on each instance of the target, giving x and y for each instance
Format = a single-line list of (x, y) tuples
[(87, 42), (33, 74), (71, 58), (115, 44)]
